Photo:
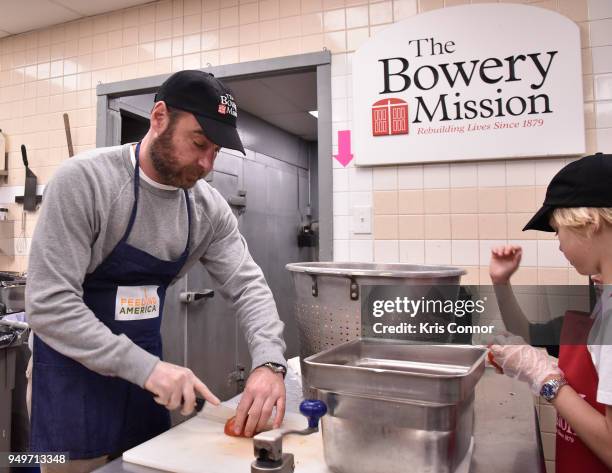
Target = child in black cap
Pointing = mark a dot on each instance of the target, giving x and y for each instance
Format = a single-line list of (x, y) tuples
[(578, 207)]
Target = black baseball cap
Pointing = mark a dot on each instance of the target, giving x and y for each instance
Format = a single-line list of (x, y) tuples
[(586, 182), (209, 100)]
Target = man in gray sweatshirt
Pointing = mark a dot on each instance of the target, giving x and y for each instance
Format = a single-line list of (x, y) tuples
[(117, 226)]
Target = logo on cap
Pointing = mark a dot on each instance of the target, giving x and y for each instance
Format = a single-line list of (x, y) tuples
[(227, 105)]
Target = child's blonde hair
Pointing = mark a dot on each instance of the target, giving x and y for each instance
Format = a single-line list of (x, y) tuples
[(588, 219)]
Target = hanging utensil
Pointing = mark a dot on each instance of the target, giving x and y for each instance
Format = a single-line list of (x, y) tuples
[(21, 243), (68, 135), (29, 193)]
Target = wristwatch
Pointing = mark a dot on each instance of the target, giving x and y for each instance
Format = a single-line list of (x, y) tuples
[(276, 368), (550, 388)]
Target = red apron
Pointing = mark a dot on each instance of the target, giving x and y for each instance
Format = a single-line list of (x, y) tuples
[(573, 456)]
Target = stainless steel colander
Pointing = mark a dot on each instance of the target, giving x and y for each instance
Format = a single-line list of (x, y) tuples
[(328, 305)]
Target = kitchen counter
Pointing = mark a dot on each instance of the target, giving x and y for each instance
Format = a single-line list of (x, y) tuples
[(506, 438)]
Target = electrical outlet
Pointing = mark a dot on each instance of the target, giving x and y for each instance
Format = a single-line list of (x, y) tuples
[(362, 219)]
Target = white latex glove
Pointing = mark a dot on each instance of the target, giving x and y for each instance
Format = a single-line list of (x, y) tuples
[(524, 362)]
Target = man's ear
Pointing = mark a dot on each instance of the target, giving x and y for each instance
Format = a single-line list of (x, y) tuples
[(160, 117)]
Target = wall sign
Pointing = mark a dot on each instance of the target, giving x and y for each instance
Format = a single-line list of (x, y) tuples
[(469, 82)]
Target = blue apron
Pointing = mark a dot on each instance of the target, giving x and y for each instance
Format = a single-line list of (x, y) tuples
[(87, 414)]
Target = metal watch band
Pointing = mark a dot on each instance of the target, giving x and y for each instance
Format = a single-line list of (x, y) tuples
[(551, 388), (276, 368)]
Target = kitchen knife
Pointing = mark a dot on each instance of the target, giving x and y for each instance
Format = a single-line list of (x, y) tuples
[(29, 193)]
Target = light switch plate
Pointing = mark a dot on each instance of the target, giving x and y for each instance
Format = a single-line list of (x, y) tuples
[(362, 219)]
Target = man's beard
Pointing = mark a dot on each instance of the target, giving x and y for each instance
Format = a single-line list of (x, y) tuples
[(167, 165)]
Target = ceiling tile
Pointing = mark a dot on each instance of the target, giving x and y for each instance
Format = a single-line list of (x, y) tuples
[(27, 15), (88, 8)]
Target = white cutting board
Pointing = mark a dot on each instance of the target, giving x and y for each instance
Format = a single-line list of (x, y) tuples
[(199, 445)]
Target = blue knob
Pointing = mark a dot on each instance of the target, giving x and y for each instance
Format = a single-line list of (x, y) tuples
[(314, 410)]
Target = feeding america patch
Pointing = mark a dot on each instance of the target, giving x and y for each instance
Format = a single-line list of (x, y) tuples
[(136, 303)]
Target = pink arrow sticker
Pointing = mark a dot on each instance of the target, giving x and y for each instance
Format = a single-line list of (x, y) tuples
[(344, 155)]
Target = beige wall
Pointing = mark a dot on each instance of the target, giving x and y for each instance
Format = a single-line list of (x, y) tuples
[(422, 214), (454, 213)]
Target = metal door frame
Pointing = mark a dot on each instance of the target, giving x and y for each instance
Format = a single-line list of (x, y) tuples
[(108, 131)]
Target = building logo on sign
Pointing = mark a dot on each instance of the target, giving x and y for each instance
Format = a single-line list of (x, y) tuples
[(390, 117), (448, 94)]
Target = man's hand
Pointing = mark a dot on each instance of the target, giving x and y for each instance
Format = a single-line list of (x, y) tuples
[(505, 260), (264, 390), (175, 386)]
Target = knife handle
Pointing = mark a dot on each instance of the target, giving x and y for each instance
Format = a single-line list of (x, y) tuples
[(24, 155), (199, 404)]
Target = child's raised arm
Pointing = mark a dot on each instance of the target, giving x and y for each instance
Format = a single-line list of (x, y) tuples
[(505, 260)]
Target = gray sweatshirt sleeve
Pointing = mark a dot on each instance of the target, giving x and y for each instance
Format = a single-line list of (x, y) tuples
[(240, 280), (59, 256)]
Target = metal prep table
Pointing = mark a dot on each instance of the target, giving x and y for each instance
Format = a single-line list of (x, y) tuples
[(506, 438)]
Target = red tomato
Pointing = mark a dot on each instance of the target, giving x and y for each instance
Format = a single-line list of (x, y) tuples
[(493, 362), (229, 428)]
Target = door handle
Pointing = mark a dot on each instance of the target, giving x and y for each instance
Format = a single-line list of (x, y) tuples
[(192, 296), (239, 200)]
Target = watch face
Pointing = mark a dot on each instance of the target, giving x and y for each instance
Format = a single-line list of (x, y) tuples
[(548, 391)]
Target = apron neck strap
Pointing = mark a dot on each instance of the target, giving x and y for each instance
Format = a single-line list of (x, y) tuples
[(128, 230)]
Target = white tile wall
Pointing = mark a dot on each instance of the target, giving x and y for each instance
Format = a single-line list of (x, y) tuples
[(340, 110), (404, 9), (436, 176), (549, 254), (599, 9), (601, 32), (360, 179), (602, 59), (340, 180), (520, 173), (362, 251), (384, 178), (603, 87), (338, 65), (356, 37), (546, 169), (410, 177), (339, 86), (603, 114), (357, 17), (485, 250), (341, 203), (381, 13), (438, 252), (360, 198), (341, 227), (530, 252), (463, 175), (334, 20), (386, 251), (465, 252), (341, 250), (492, 174), (412, 251), (604, 140)]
